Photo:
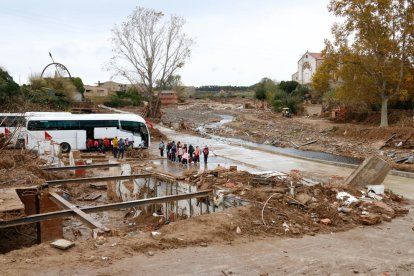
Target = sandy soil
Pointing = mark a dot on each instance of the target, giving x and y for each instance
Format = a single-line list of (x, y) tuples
[(211, 246)]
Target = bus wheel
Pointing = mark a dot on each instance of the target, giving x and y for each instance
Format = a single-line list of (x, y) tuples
[(65, 147)]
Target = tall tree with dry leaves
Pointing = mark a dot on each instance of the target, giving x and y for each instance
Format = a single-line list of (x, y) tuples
[(371, 57), (148, 49)]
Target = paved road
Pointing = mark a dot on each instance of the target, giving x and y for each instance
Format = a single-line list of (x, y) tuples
[(256, 159)]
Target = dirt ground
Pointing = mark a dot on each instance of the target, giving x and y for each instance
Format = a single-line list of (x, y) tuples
[(207, 244), (381, 250), (266, 127)]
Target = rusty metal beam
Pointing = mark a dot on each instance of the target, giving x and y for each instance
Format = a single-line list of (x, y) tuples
[(82, 216), (101, 208), (94, 166), (94, 179)]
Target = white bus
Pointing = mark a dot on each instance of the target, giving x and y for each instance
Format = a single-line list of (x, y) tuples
[(73, 131), (13, 126)]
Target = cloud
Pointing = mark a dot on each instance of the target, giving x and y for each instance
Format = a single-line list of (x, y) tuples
[(237, 42)]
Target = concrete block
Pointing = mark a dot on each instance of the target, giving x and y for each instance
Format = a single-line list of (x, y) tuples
[(62, 244), (371, 172)]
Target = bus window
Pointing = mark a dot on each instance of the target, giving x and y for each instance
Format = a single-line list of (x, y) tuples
[(53, 125), (12, 121), (133, 127), (100, 123)]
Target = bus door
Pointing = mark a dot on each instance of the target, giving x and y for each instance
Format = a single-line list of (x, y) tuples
[(90, 133)]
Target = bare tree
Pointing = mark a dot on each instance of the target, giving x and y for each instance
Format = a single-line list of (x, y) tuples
[(148, 49)]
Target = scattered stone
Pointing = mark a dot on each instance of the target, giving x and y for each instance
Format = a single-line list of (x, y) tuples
[(238, 230), (386, 218), (203, 244), (326, 221), (62, 244), (230, 185), (384, 208), (344, 210), (155, 234), (303, 198), (150, 253), (370, 219)]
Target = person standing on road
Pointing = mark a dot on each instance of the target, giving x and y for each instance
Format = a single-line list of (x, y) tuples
[(115, 147), (205, 153), (185, 158), (89, 145), (121, 147), (173, 152), (107, 144), (197, 155), (180, 153), (169, 151), (191, 152), (161, 147), (101, 146)]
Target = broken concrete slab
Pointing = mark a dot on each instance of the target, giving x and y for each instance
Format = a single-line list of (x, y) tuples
[(62, 244), (371, 172)]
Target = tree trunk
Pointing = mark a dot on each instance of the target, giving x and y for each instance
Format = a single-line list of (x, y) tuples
[(154, 106), (384, 111)]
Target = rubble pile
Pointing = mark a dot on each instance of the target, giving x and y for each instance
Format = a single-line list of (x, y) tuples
[(157, 135), (22, 168), (288, 204)]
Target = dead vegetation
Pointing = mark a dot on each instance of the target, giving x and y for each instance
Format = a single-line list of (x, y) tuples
[(21, 168)]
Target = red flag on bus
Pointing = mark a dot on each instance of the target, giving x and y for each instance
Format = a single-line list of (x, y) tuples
[(149, 124), (48, 137), (6, 133)]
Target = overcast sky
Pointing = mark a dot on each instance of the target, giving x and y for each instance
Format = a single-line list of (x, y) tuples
[(238, 42)]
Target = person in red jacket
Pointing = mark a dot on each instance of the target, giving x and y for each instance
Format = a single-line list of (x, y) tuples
[(89, 145), (107, 143)]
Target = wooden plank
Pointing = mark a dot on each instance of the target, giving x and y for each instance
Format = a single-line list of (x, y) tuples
[(10, 204), (82, 216)]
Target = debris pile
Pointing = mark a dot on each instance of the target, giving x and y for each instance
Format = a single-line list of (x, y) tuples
[(157, 135), (22, 168), (290, 204)]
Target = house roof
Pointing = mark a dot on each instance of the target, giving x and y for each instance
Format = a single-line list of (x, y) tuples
[(316, 55)]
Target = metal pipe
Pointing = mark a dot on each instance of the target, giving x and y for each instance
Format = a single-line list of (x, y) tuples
[(94, 166), (94, 179), (101, 208)]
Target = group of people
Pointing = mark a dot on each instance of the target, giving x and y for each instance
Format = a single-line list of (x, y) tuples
[(118, 147), (178, 152)]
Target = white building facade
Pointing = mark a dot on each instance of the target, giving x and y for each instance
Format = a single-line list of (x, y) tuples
[(307, 66)]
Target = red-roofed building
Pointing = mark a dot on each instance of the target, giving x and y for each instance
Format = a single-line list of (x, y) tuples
[(307, 66)]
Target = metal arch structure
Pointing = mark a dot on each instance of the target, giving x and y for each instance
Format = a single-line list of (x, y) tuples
[(57, 65)]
